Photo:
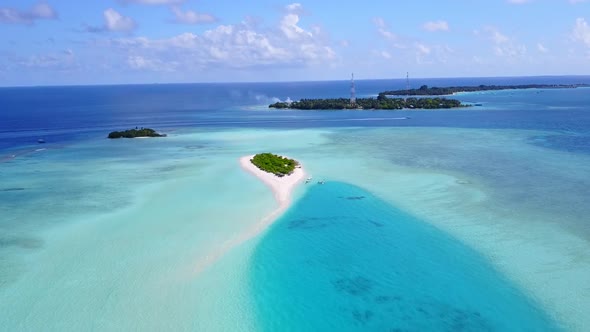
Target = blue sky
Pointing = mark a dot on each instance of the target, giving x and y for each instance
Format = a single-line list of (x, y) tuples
[(55, 42)]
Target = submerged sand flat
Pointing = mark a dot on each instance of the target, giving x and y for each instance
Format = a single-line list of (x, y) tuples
[(282, 189)]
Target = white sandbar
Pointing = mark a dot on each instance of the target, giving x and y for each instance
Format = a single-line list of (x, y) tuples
[(282, 188)]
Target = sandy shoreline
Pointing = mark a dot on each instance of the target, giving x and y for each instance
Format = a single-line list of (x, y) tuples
[(282, 188)]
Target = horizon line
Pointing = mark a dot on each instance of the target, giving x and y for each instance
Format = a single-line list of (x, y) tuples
[(268, 82)]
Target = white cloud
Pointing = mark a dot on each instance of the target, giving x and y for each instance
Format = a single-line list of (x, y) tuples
[(503, 45), (43, 10), (294, 8), (430, 54), (114, 21), (154, 2), (519, 2), (241, 45), (477, 60), (191, 17), (37, 12), (138, 62), (423, 49), (496, 36), (410, 49), (381, 54), (581, 32), (422, 54), (436, 26), (289, 24), (383, 29), (290, 28), (510, 50), (62, 61), (541, 48)]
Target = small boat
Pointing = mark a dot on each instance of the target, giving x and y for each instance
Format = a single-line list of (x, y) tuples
[(321, 182), (40, 141)]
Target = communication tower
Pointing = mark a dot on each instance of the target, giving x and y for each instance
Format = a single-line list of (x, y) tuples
[(352, 91), (407, 84)]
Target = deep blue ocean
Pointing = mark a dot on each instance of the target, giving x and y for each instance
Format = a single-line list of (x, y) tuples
[(340, 258), (60, 114)]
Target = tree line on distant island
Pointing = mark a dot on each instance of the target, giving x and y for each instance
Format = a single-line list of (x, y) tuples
[(424, 90), (132, 133), (272, 163), (382, 102), (387, 103)]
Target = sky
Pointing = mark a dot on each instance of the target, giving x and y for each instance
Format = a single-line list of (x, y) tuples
[(80, 42)]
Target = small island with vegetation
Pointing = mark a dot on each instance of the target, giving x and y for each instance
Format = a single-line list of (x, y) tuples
[(425, 90), (382, 102), (133, 133), (275, 164)]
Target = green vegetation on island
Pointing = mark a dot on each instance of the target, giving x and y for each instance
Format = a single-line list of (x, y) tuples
[(382, 102), (132, 133), (272, 163), (435, 91)]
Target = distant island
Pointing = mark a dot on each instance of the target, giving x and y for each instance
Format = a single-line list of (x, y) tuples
[(382, 102), (133, 133), (275, 164), (435, 91)]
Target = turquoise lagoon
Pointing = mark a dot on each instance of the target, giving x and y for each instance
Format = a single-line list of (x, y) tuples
[(422, 225), (343, 260)]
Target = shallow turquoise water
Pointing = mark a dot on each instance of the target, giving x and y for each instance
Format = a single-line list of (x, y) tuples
[(341, 259), (107, 235)]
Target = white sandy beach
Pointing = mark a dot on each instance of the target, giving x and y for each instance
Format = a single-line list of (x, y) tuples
[(282, 188)]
